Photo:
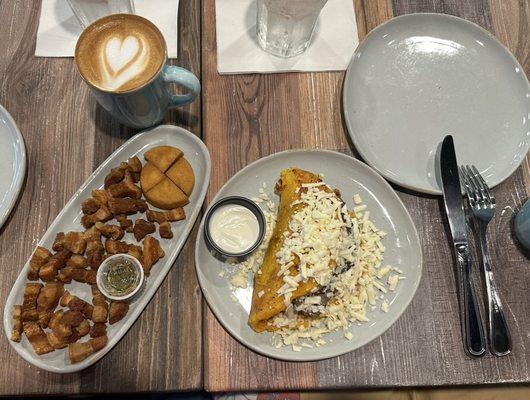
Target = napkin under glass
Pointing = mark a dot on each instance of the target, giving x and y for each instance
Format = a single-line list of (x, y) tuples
[(332, 45), (59, 29)]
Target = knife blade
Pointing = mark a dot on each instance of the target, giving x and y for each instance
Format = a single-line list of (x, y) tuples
[(472, 326)]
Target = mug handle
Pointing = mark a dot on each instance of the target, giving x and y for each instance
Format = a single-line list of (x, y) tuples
[(181, 76)]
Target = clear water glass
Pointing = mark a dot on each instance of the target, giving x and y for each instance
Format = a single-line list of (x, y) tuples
[(285, 27), (87, 11)]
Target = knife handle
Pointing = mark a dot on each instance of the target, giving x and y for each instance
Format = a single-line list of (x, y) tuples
[(473, 330)]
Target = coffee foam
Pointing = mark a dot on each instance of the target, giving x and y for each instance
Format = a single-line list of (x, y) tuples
[(120, 52)]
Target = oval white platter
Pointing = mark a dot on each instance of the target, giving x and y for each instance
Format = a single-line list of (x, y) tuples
[(69, 220)]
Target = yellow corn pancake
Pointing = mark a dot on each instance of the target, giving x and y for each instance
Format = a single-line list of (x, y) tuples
[(268, 282)]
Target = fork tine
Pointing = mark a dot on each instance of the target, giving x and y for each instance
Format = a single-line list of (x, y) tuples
[(484, 185), (467, 187), (486, 201), (474, 185)]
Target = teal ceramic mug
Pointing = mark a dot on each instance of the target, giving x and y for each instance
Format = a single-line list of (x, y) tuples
[(123, 58)]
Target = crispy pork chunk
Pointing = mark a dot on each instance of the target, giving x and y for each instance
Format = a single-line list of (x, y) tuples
[(74, 303), (125, 223), (117, 310), (101, 196), (83, 328), (99, 314), (16, 332), (152, 252), (64, 275), (176, 214), (110, 231), (62, 257), (115, 175), (90, 206), (142, 228), (92, 233), (135, 251), (119, 206), (126, 188), (77, 352), (72, 318), (38, 259), (101, 215), (67, 327), (47, 300), (116, 246), (135, 167), (98, 329), (72, 241), (94, 253), (37, 338), (56, 319), (165, 230), (84, 275), (49, 296), (76, 261), (58, 342), (29, 303), (48, 271)]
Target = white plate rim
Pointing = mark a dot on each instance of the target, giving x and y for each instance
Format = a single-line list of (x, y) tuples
[(421, 189), (301, 357), (70, 368), (21, 173)]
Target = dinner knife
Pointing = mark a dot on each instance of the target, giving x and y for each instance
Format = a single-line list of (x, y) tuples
[(472, 327)]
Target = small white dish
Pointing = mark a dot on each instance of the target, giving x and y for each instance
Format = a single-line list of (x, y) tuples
[(350, 176), (69, 220), (103, 268), (12, 164), (216, 250), (419, 77)]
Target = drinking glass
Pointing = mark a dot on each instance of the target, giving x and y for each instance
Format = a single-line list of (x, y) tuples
[(87, 11), (285, 27)]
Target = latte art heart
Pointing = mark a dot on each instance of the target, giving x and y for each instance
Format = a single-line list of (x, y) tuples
[(123, 60), (120, 52)]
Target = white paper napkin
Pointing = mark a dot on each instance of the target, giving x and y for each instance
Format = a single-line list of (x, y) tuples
[(59, 29), (238, 51)]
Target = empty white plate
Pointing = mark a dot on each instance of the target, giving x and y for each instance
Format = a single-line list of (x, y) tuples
[(420, 77), (12, 164)]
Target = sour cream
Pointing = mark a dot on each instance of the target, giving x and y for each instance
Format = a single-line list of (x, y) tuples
[(234, 228)]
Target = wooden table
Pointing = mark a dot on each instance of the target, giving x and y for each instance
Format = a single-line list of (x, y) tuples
[(246, 117), (67, 136), (250, 116)]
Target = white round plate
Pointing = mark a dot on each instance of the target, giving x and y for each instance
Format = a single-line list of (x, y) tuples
[(419, 77), (12, 164), (387, 212)]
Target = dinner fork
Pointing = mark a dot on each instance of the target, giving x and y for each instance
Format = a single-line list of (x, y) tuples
[(482, 203)]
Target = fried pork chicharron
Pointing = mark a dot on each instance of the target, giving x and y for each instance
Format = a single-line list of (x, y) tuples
[(54, 318)]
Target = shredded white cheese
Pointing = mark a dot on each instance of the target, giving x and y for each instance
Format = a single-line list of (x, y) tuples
[(340, 249)]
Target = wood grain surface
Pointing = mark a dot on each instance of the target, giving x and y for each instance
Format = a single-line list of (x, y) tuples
[(249, 116), (67, 136)]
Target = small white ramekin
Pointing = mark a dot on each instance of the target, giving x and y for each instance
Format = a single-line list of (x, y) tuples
[(104, 266)]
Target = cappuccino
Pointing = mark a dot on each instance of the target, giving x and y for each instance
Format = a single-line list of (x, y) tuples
[(120, 52)]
